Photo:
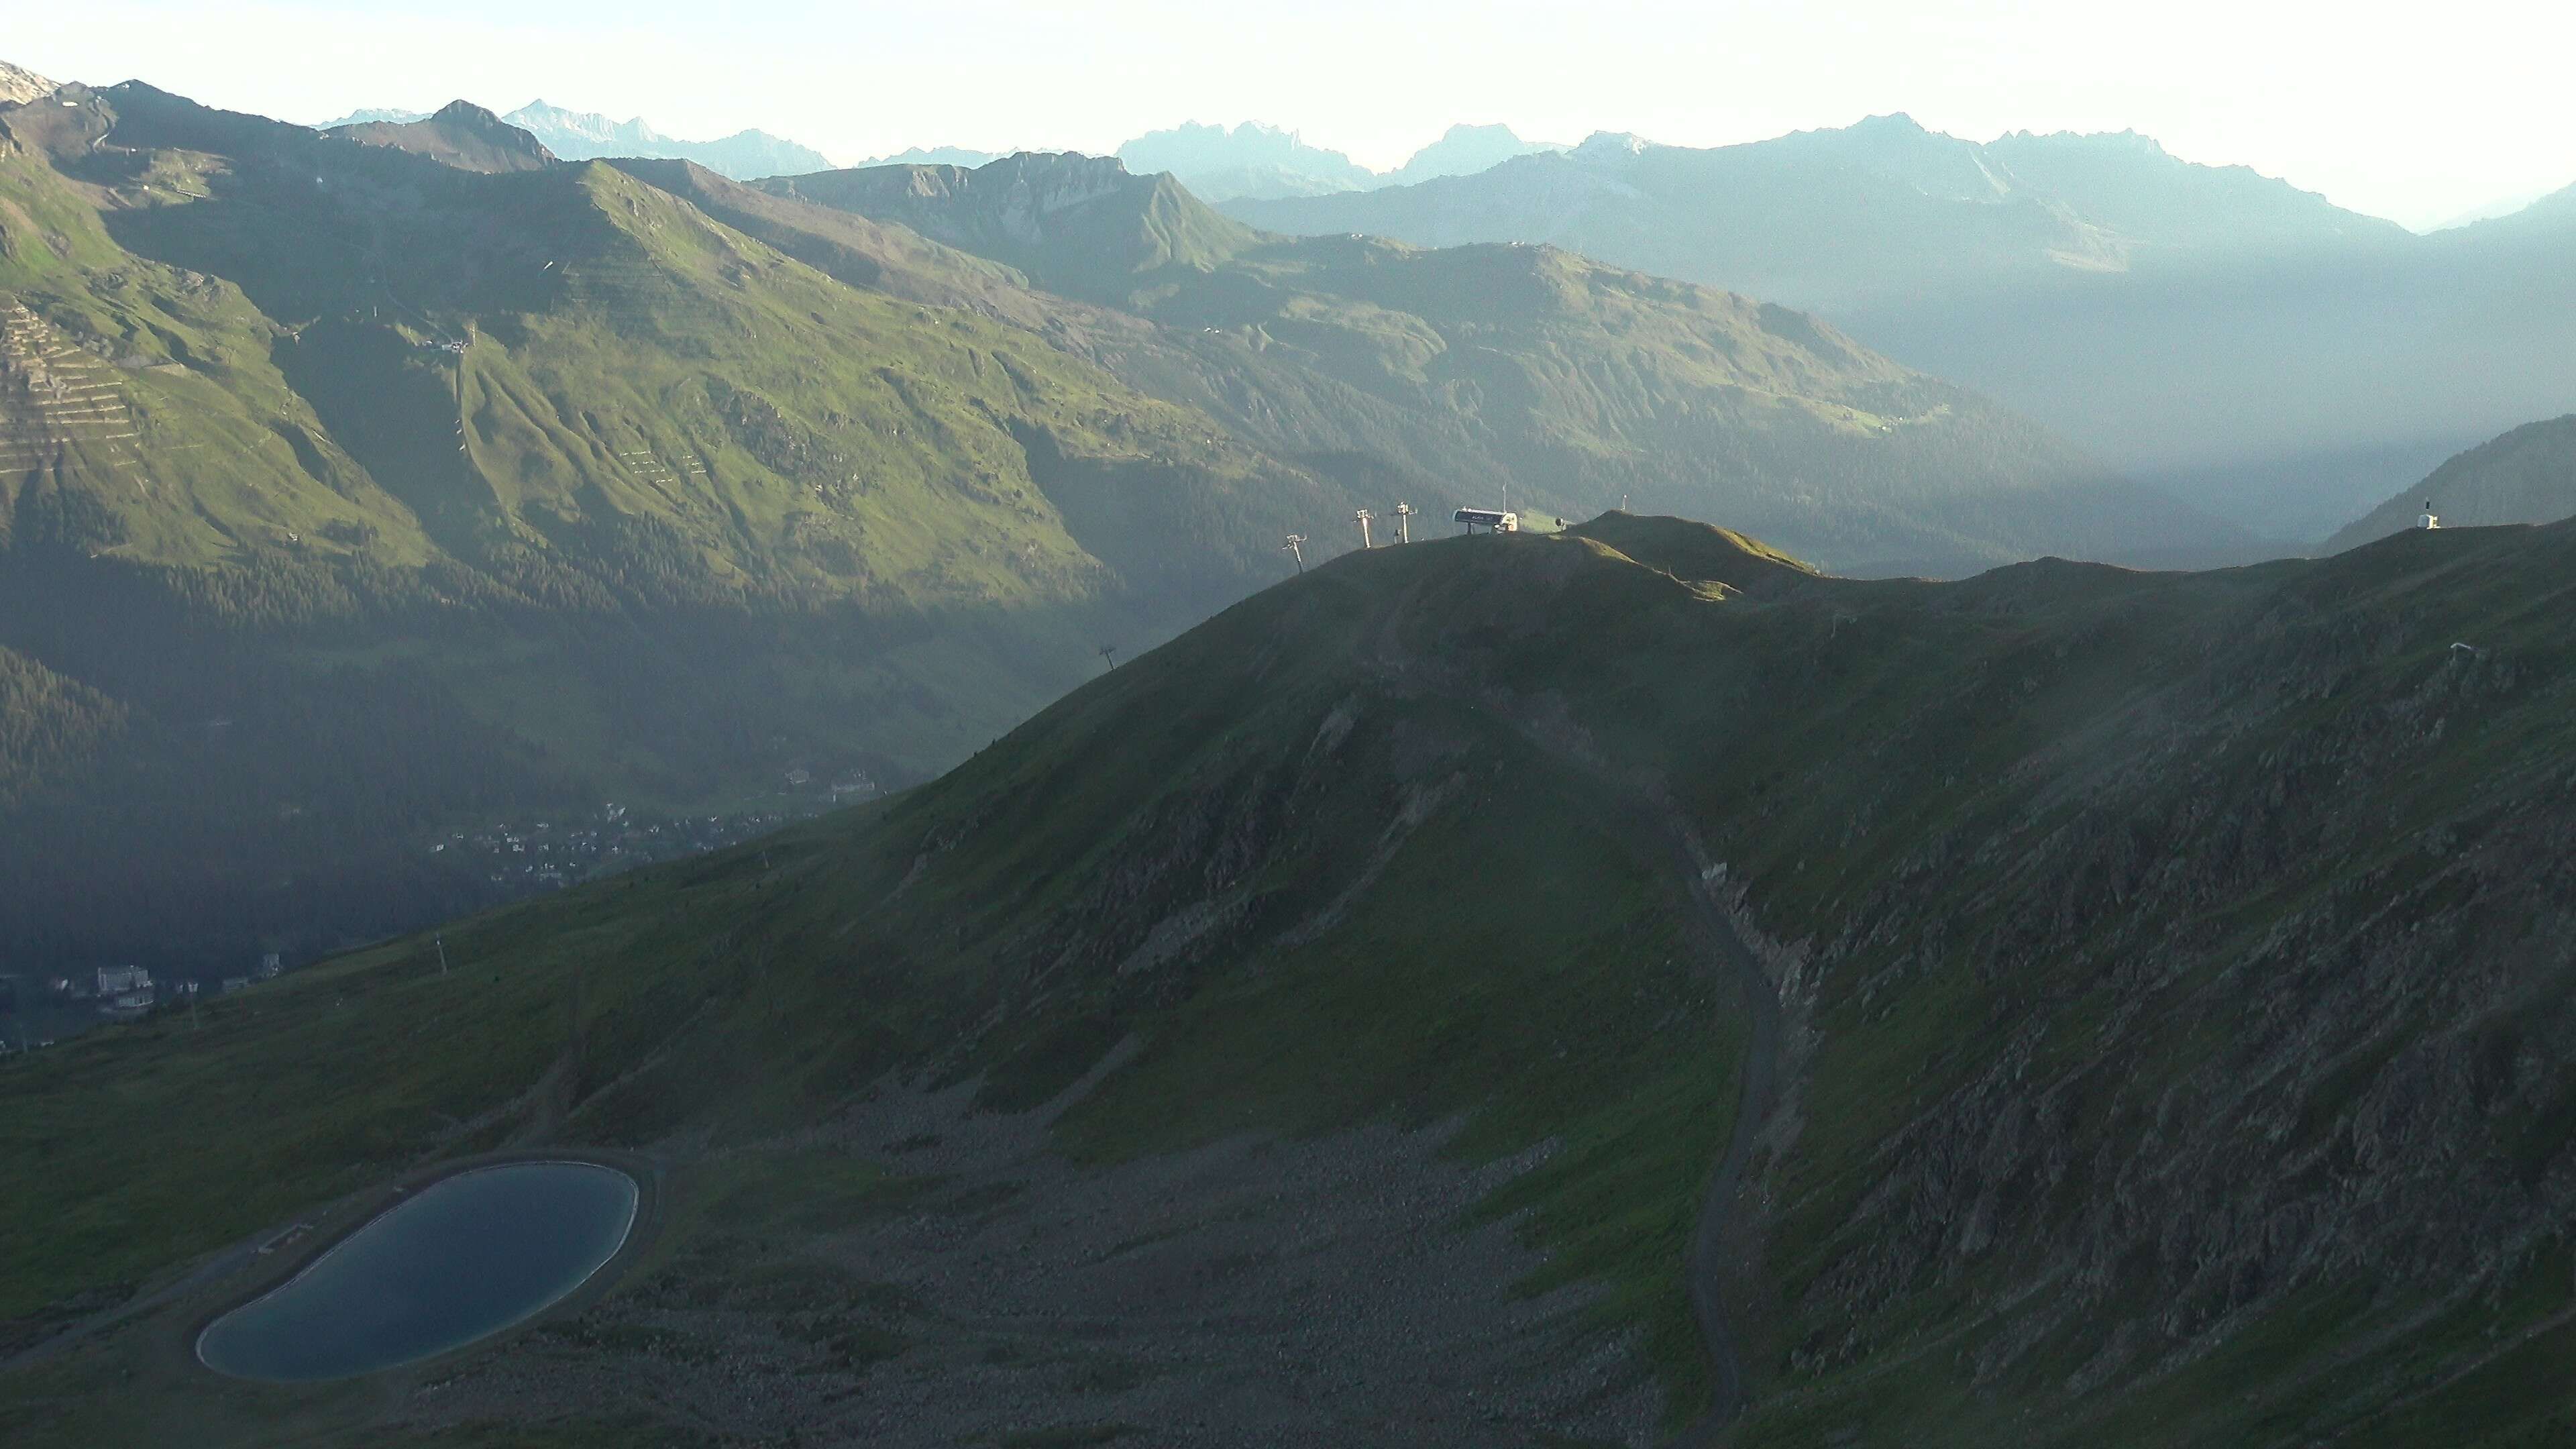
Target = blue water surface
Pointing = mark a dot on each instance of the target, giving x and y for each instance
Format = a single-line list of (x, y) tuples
[(467, 1256)]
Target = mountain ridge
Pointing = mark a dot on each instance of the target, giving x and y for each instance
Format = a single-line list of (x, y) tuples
[(1877, 453), (588, 135), (460, 134), (2239, 341)]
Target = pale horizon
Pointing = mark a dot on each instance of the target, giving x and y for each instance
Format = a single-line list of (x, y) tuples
[(2371, 112)]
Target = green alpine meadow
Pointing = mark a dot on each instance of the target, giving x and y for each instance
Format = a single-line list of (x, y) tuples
[(995, 728)]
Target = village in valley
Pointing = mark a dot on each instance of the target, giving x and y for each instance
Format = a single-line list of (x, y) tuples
[(551, 854), (42, 1005)]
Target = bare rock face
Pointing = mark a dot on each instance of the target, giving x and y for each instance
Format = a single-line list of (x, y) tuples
[(19, 86)]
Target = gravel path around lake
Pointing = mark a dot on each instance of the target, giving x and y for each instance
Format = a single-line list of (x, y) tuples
[(1326, 1291)]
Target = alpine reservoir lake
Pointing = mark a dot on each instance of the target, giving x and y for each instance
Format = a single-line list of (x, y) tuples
[(465, 1257)]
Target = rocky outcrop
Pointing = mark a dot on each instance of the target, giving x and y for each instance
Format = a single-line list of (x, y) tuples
[(2244, 997), (19, 86)]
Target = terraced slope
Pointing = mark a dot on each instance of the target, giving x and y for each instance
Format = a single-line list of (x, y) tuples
[(2173, 1040)]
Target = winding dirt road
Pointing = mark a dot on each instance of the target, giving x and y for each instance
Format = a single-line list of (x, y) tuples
[(1646, 814)]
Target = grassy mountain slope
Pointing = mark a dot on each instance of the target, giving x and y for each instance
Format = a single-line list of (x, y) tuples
[(2171, 976), (2526, 476), (2265, 354), (1481, 370), (307, 431), (1077, 224)]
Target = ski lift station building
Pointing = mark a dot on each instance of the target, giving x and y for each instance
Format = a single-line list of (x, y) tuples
[(1489, 518)]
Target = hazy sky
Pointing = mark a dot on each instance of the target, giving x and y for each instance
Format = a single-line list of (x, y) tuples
[(2412, 111)]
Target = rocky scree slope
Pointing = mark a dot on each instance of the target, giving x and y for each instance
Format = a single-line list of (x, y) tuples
[(19, 85), (2526, 476)]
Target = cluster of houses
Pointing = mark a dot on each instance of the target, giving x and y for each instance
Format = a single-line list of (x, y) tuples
[(548, 854), (114, 993), (125, 993)]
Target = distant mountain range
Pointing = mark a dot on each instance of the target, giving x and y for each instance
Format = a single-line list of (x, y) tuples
[(2259, 350), (1220, 163), (1248, 160), (1534, 376), (1262, 162), (937, 156), (585, 135), (360, 489)]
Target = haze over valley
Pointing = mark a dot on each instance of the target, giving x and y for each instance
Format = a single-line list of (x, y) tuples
[(1861, 788), (2225, 336)]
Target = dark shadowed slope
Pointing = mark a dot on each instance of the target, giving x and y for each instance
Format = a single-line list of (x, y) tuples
[(1250, 159), (2175, 1036)]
